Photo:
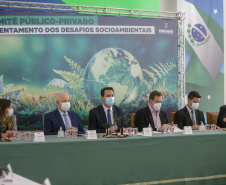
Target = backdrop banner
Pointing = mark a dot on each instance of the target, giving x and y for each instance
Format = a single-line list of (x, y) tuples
[(43, 53)]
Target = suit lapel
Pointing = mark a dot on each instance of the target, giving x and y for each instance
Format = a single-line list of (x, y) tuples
[(114, 111), (197, 117), (102, 113), (187, 115), (71, 117), (150, 118), (60, 119), (161, 117)]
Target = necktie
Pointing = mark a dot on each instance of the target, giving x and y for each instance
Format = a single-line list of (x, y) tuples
[(66, 120), (193, 117), (109, 116)]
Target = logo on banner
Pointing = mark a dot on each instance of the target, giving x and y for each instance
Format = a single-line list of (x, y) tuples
[(197, 34), (165, 31)]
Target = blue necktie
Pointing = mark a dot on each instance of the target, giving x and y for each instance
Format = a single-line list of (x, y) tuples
[(67, 121), (192, 116), (109, 116)]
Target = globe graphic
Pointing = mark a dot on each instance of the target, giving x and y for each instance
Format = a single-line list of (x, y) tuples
[(117, 68)]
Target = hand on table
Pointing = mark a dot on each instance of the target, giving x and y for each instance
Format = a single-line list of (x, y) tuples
[(162, 127), (217, 127), (172, 124), (72, 128), (124, 130), (113, 128), (195, 127), (12, 133)]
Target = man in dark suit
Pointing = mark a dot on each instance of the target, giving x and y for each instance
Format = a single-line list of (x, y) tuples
[(221, 120), (62, 117), (105, 112), (152, 114), (190, 115)]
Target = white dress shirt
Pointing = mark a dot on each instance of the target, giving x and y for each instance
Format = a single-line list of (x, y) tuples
[(62, 116), (106, 113), (189, 110), (156, 118)]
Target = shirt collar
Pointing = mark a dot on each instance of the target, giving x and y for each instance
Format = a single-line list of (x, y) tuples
[(189, 110), (62, 113), (151, 109), (105, 108)]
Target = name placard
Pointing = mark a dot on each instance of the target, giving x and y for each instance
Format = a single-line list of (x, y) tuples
[(187, 130), (147, 132), (8, 177), (47, 182), (39, 137), (91, 134)]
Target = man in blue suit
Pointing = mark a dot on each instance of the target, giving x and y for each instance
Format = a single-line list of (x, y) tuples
[(61, 117), (105, 112)]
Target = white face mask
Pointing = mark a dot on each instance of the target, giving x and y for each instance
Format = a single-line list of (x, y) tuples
[(65, 106), (10, 113), (194, 106), (110, 101), (157, 106)]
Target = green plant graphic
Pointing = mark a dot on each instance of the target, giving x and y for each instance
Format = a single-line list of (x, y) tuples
[(79, 101), (157, 73)]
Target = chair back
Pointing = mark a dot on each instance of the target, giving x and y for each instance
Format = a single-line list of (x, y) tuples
[(133, 120), (172, 117), (212, 117)]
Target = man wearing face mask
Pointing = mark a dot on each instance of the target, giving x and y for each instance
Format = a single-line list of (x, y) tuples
[(152, 114), (105, 112), (62, 117), (190, 115)]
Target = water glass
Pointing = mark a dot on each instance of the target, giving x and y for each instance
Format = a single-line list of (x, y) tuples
[(129, 131), (74, 133), (27, 135), (165, 130), (213, 127), (68, 133), (207, 127), (135, 131), (171, 130), (18, 135)]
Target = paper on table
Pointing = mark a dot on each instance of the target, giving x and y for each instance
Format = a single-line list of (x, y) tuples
[(156, 132), (176, 129)]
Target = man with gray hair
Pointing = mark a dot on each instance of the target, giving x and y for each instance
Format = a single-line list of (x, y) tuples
[(62, 117)]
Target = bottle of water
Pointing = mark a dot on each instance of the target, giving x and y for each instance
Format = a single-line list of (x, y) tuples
[(60, 133), (149, 126), (202, 127)]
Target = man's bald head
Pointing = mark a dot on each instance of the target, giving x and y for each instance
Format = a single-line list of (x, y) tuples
[(61, 98)]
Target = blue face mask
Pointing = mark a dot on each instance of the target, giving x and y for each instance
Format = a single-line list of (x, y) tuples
[(110, 101)]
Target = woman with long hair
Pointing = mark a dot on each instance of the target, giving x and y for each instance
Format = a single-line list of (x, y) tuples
[(7, 119)]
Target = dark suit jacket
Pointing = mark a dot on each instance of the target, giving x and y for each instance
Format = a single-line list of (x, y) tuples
[(221, 116), (143, 117), (53, 121), (97, 117), (183, 118)]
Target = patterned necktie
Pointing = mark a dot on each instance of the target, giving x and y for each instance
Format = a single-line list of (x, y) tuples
[(109, 116), (66, 120), (193, 117)]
